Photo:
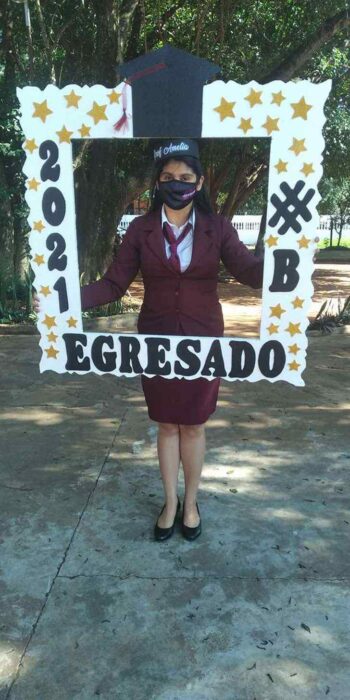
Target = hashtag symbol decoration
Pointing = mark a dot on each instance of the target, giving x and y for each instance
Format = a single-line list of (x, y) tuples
[(292, 207)]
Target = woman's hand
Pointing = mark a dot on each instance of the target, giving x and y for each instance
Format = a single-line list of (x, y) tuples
[(36, 302)]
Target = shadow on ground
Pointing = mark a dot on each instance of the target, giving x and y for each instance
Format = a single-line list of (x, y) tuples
[(92, 606)]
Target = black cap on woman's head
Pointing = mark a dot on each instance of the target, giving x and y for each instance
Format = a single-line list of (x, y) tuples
[(175, 148)]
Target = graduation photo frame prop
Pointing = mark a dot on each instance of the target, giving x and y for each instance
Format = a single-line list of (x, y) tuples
[(290, 114)]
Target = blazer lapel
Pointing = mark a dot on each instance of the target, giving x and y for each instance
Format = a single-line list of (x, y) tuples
[(155, 238), (202, 239)]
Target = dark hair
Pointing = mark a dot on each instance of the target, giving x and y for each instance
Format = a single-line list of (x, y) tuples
[(201, 198)]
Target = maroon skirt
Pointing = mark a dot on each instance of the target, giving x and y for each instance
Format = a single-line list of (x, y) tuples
[(185, 401)]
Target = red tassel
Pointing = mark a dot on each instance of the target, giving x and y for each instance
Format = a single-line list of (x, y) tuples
[(123, 120), (122, 123)]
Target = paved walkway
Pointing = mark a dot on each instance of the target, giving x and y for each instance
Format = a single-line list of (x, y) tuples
[(257, 607)]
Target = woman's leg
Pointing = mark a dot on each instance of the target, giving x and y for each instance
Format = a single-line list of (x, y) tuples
[(192, 450), (168, 446)]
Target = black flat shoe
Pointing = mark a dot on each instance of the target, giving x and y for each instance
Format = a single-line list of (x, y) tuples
[(163, 533), (190, 533)]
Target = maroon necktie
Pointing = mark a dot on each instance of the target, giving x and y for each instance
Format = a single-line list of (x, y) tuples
[(174, 242)]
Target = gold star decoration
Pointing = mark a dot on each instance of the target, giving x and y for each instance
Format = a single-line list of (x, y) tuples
[(277, 98), (114, 96), (84, 131), (281, 166), (307, 169), (245, 125), (51, 352), (30, 145), (277, 310), (294, 365), (33, 184), (254, 97), (272, 328), (303, 242), (72, 99), (298, 303), (225, 109), (271, 240), (64, 135), (98, 112), (52, 337), (41, 110), (38, 226), (39, 259), (45, 291), (297, 146), (72, 322), (300, 108), (293, 349), (293, 328), (50, 321), (271, 125)]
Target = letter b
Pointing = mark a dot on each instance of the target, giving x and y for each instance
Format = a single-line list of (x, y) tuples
[(285, 275)]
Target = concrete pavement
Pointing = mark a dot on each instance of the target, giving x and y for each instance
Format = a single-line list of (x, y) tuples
[(257, 607)]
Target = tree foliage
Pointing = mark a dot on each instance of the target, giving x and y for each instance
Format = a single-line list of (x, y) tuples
[(84, 41)]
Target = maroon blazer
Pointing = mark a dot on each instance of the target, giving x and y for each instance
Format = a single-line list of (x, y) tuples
[(176, 303)]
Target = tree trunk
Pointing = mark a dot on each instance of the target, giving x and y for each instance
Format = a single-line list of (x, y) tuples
[(340, 226), (6, 221), (100, 195), (124, 25), (259, 246), (288, 69), (12, 233), (303, 53), (96, 207), (46, 42)]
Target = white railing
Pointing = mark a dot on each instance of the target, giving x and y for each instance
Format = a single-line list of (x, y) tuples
[(248, 226), (125, 221)]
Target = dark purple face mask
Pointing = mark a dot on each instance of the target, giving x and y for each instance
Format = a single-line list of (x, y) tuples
[(177, 194)]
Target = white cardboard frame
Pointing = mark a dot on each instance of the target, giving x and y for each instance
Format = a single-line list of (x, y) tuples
[(291, 114)]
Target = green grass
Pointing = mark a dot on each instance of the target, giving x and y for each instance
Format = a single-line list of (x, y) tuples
[(324, 242)]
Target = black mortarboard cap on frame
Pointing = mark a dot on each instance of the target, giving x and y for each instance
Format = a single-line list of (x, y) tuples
[(167, 92)]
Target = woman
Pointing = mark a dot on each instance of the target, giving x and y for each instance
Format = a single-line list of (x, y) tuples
[(178, 246)]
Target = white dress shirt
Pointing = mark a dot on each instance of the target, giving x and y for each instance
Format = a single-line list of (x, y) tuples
[(184, 249)]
